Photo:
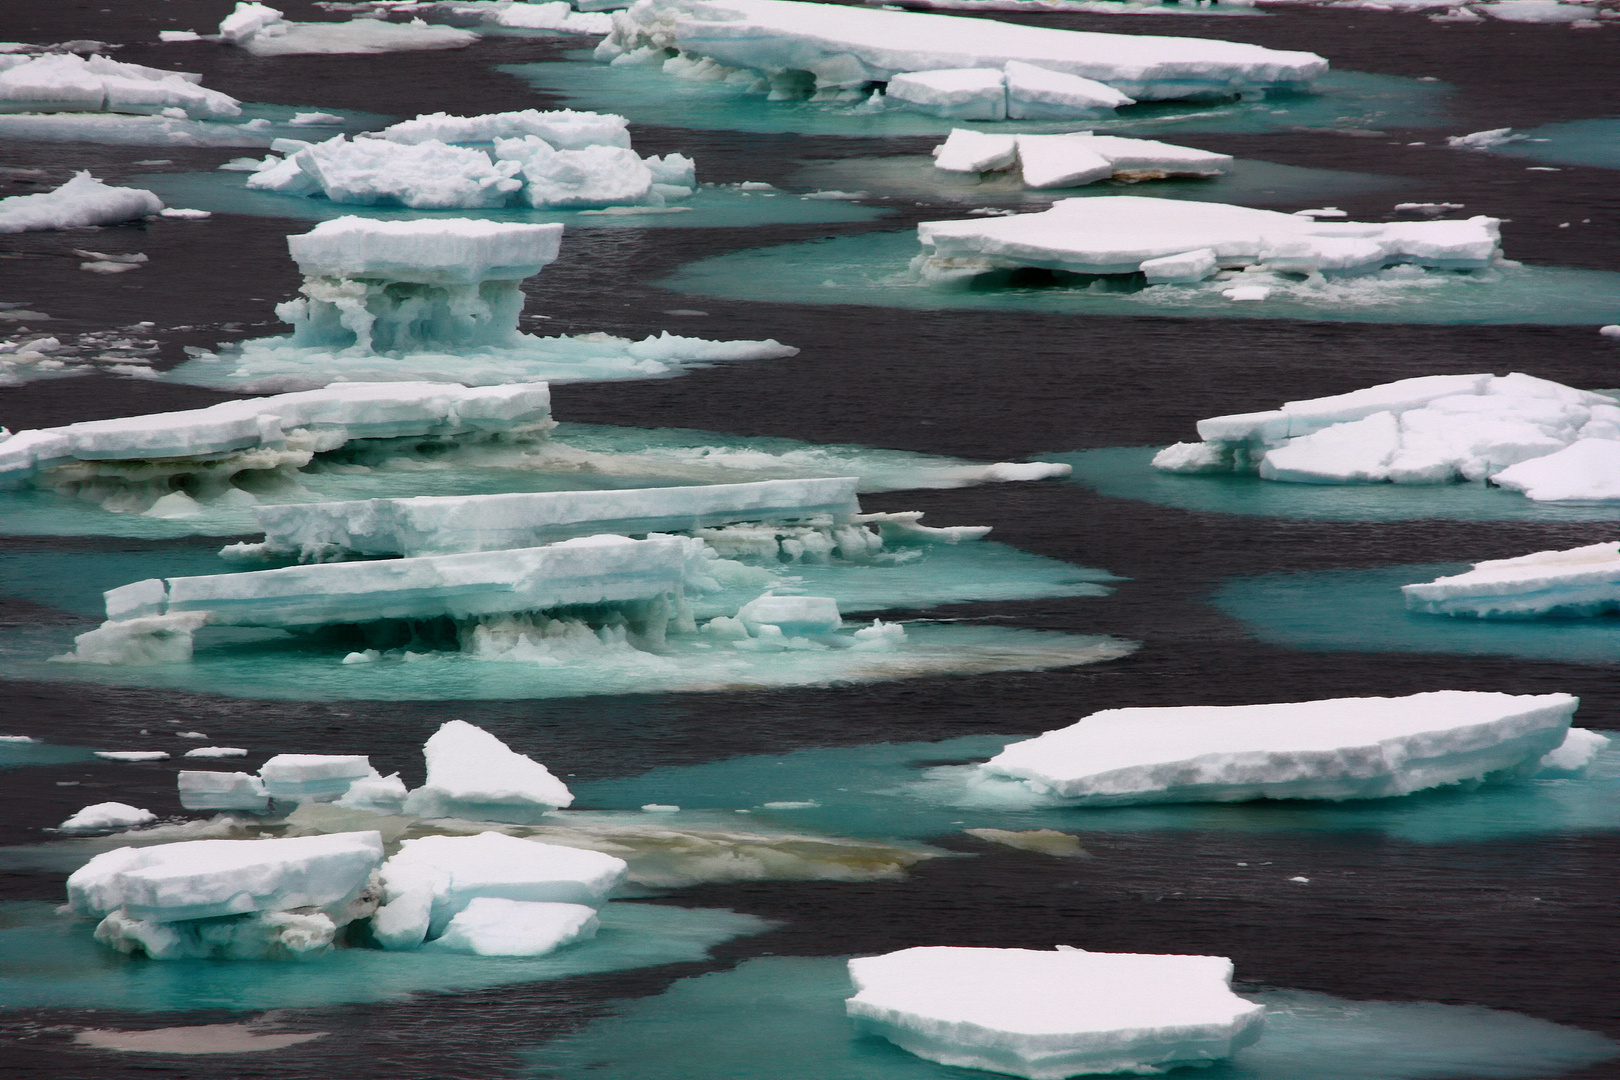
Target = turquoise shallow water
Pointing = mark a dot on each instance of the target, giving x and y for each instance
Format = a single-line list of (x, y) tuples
[(873, 269), (1346, 100), (50, 961), (782, 1018), (708, 208), (16, 754), (1126, 472), (1573, 142), (1362, 611)]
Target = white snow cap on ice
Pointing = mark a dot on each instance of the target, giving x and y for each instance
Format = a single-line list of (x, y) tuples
[(62, 82), (80, 203), (201, 879), (564, 129), (472, 774), (457, 251), (107, 815), (313, 777), (1583, 581), (1050, 1015), (491, 926), (1339, 748)]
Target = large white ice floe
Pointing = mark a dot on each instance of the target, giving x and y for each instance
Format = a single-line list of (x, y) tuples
[(435, 878), (262, 31), (839, 52), (1340, 748), (1050, 1015), (1518, 432), (81, 202), (1128, 234), (1583, 581), (472, 774), (62, 82)]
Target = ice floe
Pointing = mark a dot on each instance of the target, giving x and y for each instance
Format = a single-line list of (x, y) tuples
[(472, 774), (1548, 441), (1073, 160), (66, 83), (1050, 1015), (1344, 748), (493, 926), (1578, 582), (799, 50), (107, 816), (212, 790), (80, 203), (262, 31)]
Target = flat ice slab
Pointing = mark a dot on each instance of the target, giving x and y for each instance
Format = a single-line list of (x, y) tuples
[(201, 879), (1583, 581), (462, 523), (81, 202), (107, 815), (490, 926), (564, 129), (313, 777), (210, 790), (1545, 439), (472, 774), (590, 570), (1049, 1015), (1118, 234), (854, 46), (460, 251), (57, 83), (1055, 161), (262, 31), (1340, 748)]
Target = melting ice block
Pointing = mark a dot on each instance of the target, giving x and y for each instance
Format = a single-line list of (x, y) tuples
[(436, 877), (1116, 235), (1340, 748), (564, 129), (461, 523), (202, 879), (80, 203), (62, 82), (458, 251), (208, 790), (490, 926), (853, 47), (590, 570), (313, 777), (107, 815), (472, 774), (1049, 1015), (1581, 581), (1545, 439)]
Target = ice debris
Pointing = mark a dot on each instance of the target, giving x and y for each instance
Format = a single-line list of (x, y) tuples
[(837, 53), (107, 816), (58, 82), (1335, 749), (1073, 160), (1541, 438), (1050, 1015), (80, 203), (1578, 582), (472, 774), (210, 790), (262, 31)]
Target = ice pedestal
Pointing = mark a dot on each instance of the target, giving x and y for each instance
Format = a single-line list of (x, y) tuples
[(1343, 748), (80, 203), (1049, 1015), (207, 790), (1583, 581)]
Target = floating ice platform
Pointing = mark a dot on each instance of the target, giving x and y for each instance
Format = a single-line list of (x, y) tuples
[(459, 251), (1336, 749), (1050, 1015), (1544, 439), (1176, 240), (262, 31), (1073, 160), (64, 83), (1578, 582)]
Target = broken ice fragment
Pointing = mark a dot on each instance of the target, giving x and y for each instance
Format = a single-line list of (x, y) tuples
[(207, 790), (1577, 582), (107, 815), (492, 926), (472, 774), (81, 202)]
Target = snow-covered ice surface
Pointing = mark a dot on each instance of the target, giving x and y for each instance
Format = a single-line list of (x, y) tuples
[(1049, 1015), (257, 126), (1577, 582), (783, 1019), (1345, 748), (544, 16), (80, 203), (107, 816), (874, 269), (262, 31), (1073, 160), (850, 48), (491, 926), (472, 774), (1542, 439), (645, 94), (63, 82)]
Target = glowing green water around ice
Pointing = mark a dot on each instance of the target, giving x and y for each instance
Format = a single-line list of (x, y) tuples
[(782, 1018), (51, 961), (874, 269), (709, 208), (1126, 472), (1346, 100), (15, 753), (1573, 142), (1362, 611)]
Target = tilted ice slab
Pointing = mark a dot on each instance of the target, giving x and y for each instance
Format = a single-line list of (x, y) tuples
[(313, 777), (458, 523), (269, 432), (1129, 234), (1340, 748), (853, 48), (587, 571), (1049, 1015), (1522, 433), (262, 31), (57, 83), (1583, 581), (202, 879), (1051, 161), (107, 815), (472, 774), (80, 203)]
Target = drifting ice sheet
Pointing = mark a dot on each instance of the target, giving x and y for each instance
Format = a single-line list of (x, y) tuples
[(1341, 748), (263, 32), (472, 774), (564, 129), (57, 83), (80, 203), (107, 815), (1583, 581), (1049, 1015)]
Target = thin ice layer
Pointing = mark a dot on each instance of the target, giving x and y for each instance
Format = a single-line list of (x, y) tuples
[(472, 774), (1049, 1015), (1340, 748), (463, 523), (1577, 582)]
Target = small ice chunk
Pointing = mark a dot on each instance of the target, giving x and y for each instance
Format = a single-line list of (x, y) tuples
[(472, 774), (1247, 293), (1578, 750), (131, 755), (659, 808), (107, 815), (1037, 93), (206, 790), (958, 94), (1185, 268), (217, 752), (81, 202), (1610, 331), (313, 777), (178, 35), (1048, 1015), (1059, 161), (378, 794), (183, 214), (794, 615), (968, 151), (311, 119), (491, 926)]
